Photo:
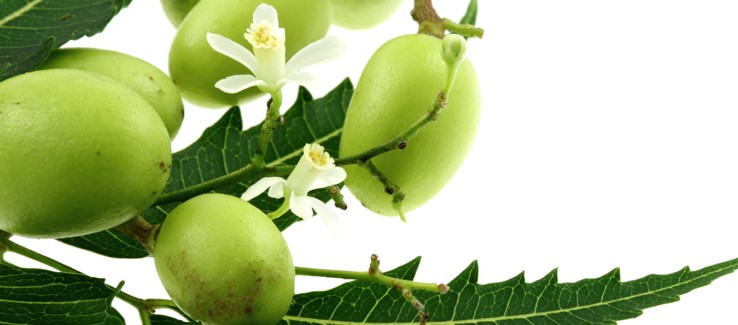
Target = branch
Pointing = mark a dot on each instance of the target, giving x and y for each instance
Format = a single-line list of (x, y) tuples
[(400, 141)]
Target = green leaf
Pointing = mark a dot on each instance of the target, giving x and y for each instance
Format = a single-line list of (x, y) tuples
[(112, 243), (224, 148), (604, 300), (31, 29), (165, 320), (470, 17), (30, 296)]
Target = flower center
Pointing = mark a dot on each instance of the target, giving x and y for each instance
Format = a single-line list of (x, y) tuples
[(262, 35), (319, 157)]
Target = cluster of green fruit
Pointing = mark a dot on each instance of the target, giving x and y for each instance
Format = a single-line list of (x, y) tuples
[(83, 148)]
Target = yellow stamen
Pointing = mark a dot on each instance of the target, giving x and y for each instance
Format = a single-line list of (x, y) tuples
[(262, 35)]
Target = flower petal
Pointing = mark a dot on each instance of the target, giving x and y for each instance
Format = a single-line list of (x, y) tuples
[(260, 186), (277, 190), (301, 206), (325, 213), (266, 12), (322, 50), (233, 50), (329, 177), (302, 78), (234, 84)]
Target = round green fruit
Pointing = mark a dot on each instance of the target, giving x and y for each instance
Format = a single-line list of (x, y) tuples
[(362, 14), (196, 67), (79, 153), (223, 261), (177, 10), (150, 82), (397, 87)]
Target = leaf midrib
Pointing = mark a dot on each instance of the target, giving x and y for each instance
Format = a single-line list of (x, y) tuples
[(13, 15), (536, 314)]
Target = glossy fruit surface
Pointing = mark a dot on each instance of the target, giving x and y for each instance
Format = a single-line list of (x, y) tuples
[(397, 87), (223, 261), (196, 67), (362, 14), (177, 10), (141, 76), (79, 153)]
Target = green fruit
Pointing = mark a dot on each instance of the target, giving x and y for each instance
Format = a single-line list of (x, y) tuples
[(177, 10), (397, 87), (362, 14), (79, 153), (196, 67), (223, 261), (143, 77)]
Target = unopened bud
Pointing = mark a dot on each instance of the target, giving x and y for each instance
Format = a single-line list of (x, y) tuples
[(453, 49)]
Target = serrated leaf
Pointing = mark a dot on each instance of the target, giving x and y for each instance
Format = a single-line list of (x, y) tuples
[(31, 29), (30, 296), (603, 300), (224, 147)]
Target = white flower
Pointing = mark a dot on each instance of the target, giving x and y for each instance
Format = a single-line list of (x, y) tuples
[(315, 169), (267, 62)]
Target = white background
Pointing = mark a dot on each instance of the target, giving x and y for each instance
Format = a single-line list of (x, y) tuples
[(608, 139)]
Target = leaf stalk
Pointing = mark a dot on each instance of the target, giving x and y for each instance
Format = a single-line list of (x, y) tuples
[(372, 275)]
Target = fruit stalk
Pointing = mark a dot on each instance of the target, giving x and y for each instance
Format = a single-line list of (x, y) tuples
[(430, 23), (140, 230)]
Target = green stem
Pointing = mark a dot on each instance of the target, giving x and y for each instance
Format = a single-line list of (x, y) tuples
[(365, 276), (228, 179), (335, 193), (373, 275), (389, 187), (23, 251), (153, 304), (282, 208), (465, 30), (267, 129), (401, 141)]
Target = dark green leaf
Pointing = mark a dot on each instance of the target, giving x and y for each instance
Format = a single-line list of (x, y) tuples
[(112, 243), (165, 320), (470, 17), (31, 29), (43, 297), (224, 148), (604, 300)]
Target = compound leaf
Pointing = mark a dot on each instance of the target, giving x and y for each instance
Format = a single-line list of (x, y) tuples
[(603, 300)]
